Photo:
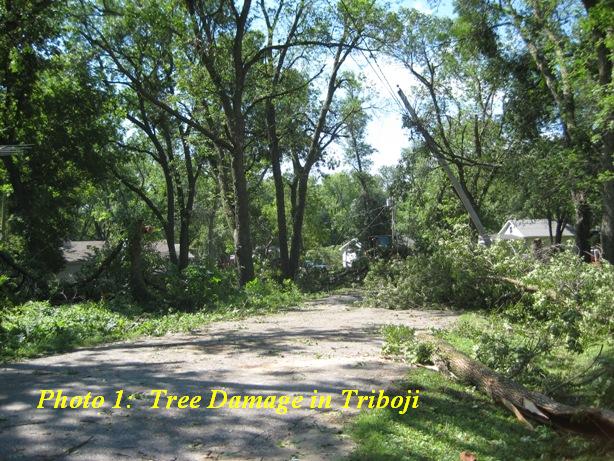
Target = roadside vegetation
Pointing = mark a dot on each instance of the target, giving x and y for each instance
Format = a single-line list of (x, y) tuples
[(37, 327), (453, 418), (542, 320)]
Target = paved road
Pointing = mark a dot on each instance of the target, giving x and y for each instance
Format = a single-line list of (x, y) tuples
[(328, 345)]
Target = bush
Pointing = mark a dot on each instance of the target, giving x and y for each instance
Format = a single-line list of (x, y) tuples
[(455, 273), (553, 335), (198, 287), (266, 293), (37, 326), (400, 341)]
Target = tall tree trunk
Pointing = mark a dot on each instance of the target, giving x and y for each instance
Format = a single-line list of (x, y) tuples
[(607, 222), (135, 251), (210, 234), (184, 240), (604, 70), (280, 196), (583, 224), (561, 223), (242, 234), (560, 87), (169, 231), (297, 229), (224, 185)]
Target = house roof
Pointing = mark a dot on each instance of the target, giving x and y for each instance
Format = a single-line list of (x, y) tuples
[(80, 250), (354, 242), (161, 247), (531, 228)]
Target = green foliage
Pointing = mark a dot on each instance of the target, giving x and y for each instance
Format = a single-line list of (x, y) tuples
[(260, 294), (397, 338), (452, 418), (198, 286), (452, 273), (400, 342), (555, 335), (529, 353), (329, 256), (36, 328)]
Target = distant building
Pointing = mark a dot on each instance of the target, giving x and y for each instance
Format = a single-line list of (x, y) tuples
[(350, 252), (531, 229), (77, 252), (381, 241)]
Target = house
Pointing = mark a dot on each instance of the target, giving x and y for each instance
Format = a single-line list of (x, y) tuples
[(77, 252), (350, 252), (531, 229)]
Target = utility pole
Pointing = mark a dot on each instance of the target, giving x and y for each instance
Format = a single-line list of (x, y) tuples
[(434, 148), (390, 203)]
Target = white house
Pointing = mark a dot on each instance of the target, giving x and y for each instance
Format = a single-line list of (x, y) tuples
[(350, 251), (530, 229)]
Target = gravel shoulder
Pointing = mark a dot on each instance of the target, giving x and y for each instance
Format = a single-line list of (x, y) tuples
[(327, 345)]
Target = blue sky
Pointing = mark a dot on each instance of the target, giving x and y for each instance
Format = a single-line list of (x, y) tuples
[(384, 132)]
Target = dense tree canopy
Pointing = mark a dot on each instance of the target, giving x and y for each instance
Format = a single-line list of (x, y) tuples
[(220, 125)]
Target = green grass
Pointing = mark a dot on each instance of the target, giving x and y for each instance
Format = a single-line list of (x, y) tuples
[(576, 378), (38, 328), (452, 418)]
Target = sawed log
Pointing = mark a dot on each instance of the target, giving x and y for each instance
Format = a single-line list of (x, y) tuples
[(525, 404)]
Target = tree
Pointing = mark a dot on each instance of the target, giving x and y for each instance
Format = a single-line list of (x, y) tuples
[(357, 25), (458, 95), (600, 19), (48, 99), (549, 32)]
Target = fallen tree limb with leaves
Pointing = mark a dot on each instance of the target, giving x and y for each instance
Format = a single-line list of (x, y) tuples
[(525, 404), (552, 294)]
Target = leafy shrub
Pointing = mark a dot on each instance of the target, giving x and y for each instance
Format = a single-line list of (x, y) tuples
[(198, 286), (266, 293), (400, 341), (36, 326), (454, 273), (550, 321)]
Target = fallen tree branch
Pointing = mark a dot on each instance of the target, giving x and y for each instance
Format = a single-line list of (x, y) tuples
[(525, 404), (523, 286)]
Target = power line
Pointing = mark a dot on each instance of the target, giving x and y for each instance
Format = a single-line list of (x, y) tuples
[(379, 73)]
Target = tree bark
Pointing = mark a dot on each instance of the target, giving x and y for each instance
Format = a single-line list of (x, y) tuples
[(297, 223), (560, 87), (521, 401), (604, 71), (280, 195), (242, 234), (135, 256), (583, 224)]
